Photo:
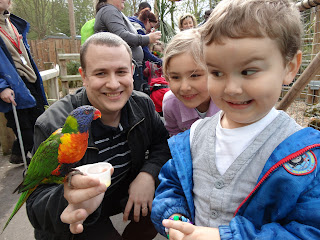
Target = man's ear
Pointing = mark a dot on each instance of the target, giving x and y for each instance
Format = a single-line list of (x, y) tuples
[(133, 68), (292, 68), (83, 76)]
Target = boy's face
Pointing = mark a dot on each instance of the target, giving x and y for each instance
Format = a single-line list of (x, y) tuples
[(245, 78), (188, 82)]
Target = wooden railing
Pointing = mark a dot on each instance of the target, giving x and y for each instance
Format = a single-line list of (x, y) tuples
[(65, 78)]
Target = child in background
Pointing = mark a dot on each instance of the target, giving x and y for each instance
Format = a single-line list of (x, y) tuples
[(249, 172), (154, 70), (185, 70), (187, 21)]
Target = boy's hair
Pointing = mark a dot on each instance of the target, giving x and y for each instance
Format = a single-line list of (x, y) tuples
[(183, 17), (102, 38), (187, 41), (277, 19)]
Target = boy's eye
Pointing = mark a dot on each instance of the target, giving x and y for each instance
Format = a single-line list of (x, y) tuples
[(216, 73), (248, 72)]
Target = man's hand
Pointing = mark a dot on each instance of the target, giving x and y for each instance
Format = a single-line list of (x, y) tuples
[(141, 193), (186, 231), (7, 95), (84, 197)]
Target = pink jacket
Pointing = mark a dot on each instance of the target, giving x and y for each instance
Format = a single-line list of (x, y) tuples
[(178, 117)]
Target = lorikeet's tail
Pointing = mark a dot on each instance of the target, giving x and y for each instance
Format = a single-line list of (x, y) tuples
[(23, 198)]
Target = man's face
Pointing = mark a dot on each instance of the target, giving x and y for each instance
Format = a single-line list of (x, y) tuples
[(108, 78), (246, 77)]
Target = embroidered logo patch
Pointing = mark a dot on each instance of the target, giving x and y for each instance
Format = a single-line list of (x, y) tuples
[(302, 165)]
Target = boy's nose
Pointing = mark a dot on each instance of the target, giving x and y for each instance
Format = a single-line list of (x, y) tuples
[(233, 87)]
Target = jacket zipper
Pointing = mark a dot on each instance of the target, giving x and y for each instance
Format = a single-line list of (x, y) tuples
[(134, 127), (274, 167)]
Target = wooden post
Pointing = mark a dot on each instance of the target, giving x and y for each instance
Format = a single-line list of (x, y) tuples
[(313, 94), (6, 136), (72, 25), (307, 75), (63, 72)]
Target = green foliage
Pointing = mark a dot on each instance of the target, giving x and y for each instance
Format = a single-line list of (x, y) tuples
[(72, 67), (165, 8)]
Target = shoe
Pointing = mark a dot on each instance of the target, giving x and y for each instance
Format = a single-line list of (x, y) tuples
[(15, 159)]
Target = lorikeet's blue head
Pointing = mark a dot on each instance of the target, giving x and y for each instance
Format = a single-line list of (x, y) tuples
[(80, 119)]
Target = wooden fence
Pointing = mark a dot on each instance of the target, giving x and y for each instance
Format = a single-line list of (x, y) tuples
[(44, 51)]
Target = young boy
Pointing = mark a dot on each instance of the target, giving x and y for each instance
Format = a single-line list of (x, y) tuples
[(250, 171)]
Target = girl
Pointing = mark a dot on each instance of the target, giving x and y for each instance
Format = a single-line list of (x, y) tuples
[(187, 21), (188, 99)]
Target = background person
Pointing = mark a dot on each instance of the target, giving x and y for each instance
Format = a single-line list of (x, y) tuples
[(187, 21), (20, 80), (129, 126), (143, 5), (109, 18), (144, 23)]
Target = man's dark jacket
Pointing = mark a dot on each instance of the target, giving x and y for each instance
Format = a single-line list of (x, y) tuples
[(147, 132)]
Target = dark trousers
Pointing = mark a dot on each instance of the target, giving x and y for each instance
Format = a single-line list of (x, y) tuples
[(138, 79), (27, 118), (103, 228)]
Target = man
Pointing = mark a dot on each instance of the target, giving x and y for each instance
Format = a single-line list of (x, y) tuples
[(129, 127)]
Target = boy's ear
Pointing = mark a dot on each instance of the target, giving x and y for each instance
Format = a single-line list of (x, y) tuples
[(293, 68)]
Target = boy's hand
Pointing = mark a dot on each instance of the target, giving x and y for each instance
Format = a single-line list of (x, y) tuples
[(186, 231), (7, 95)]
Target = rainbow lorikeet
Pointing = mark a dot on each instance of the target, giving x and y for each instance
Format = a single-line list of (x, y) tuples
[(56, 156)]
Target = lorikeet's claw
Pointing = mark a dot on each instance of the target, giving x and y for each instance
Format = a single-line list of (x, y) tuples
[(71, 174)]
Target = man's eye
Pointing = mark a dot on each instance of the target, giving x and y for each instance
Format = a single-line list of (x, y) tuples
[(100, 74), (248, 72)]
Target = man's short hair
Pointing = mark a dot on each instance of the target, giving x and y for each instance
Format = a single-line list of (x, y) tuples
[(102, 38), (279, 20)]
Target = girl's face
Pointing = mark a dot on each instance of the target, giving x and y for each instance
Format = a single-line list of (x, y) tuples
[(187, 23), (188, 82), (4, 5)]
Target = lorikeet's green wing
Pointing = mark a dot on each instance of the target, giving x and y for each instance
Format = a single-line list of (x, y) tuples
[(44, 161)]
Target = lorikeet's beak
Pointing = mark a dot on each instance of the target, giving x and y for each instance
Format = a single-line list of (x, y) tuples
[(97, 114)]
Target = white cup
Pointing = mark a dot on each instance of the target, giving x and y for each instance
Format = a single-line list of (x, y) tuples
[(100, 170)]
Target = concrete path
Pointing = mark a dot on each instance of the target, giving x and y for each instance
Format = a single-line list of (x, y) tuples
[(20, 227)]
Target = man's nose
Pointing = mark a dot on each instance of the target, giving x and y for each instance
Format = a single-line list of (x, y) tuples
[(112, 82)]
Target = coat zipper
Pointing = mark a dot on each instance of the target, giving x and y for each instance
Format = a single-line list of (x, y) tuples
[(274, 167)]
